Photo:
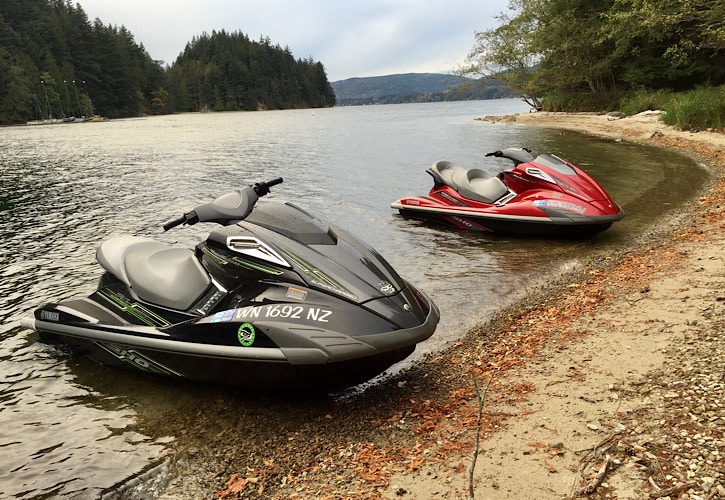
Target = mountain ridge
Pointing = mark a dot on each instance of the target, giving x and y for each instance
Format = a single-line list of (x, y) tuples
[(415, 87)]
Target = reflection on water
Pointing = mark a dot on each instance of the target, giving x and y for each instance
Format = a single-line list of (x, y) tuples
[(61, 438), (69, 427)]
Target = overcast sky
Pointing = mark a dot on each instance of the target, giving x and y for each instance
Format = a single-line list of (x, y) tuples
[(349, 37)]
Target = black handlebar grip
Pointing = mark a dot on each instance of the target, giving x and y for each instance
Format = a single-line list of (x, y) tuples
[(174, 223), (188, 218), (262, 188)]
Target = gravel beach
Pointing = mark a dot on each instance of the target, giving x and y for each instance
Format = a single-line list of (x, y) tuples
[(608, 381)]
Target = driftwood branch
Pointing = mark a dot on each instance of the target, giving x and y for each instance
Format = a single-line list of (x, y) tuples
[(594, 450), (481, 397), (592, 485), (673, 490)]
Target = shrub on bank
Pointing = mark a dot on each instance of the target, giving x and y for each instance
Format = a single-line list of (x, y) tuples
[(643, 100), (581, 101), (700, 108)]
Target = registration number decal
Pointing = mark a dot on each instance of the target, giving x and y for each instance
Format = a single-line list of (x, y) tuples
[(561, 205), (285, 312), (272, 311)]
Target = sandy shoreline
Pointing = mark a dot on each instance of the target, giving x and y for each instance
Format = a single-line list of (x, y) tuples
[(644, 127), (624, 396), (616, 367)]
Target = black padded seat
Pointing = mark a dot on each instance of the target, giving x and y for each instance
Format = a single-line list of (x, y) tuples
[(474, 184), (157, 273)]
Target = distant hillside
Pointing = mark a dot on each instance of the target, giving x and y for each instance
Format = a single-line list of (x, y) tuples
[(415, 87)]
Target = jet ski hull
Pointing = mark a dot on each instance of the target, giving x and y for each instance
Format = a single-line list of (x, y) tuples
[(247, 373), (283, 345), (515, 225)]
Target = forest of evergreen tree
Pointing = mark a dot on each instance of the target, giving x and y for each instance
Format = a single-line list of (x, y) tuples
[(55, 63)]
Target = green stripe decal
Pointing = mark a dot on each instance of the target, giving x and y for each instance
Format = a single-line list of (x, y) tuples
[(135, 309), (317, 275), (239, 262)]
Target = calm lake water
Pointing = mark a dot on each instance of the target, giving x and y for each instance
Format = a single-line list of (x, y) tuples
[(69, 428)]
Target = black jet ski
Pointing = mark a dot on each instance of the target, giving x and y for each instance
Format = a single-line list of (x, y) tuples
[(274, 297)]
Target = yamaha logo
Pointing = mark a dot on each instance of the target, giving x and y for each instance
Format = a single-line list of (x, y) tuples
[(386, 287), (50, 315)]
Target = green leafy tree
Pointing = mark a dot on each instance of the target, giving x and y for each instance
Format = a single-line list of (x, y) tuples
[(574, 57), (507, 53), (587, 53), (668, 43)]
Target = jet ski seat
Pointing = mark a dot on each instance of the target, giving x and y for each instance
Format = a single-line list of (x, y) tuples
[(157, 272), (474, 184)]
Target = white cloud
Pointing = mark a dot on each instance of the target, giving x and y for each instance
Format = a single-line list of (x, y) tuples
[(353, 38)]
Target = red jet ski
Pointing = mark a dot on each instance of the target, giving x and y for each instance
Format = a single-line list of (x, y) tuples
[(541, 197)]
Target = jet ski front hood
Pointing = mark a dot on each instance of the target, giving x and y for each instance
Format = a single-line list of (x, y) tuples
[(325, 256), (571, 179)]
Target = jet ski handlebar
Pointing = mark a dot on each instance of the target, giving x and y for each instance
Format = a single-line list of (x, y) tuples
[(227, 209), (175, 222), (518, 155), (262, 188)]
